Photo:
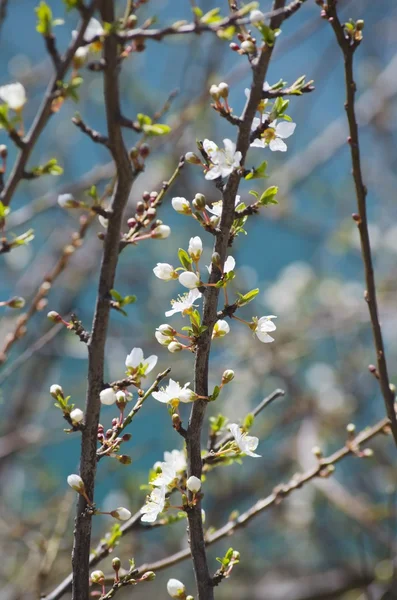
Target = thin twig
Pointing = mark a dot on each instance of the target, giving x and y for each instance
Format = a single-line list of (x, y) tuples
[(348, 47), (95, 136)]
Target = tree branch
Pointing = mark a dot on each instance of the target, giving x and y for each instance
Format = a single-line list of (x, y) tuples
[(348, 47), (96, 346), (193, 439), (45, 111)]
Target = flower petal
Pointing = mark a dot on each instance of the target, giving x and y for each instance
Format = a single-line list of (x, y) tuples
[(285, 129), (277, 145)]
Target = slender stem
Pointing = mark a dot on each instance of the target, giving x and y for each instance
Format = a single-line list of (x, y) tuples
[(348, 48), (96, 345)]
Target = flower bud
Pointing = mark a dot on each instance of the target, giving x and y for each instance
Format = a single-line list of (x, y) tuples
[(144, 150), (124, 459), (56, 390), (214, 92), (161, 232), (199, 202), (351, 428), (192, 158), (359, 25), (126, 437), (166, 329), (195, 250), (174, 347), (181, 205), (148, 576), (164, 271), (175, 588), (121, 397), (236, 555), (77, 415), (189, 280), (121, 513), (108, 396), (16, 302), (221, 328), (248, 47), (227, 376), (68, 201), (116, 564), (131, 21), (193, 484), (54, 316), (223, 90), (76, 483), (97, 577), (3, 151)]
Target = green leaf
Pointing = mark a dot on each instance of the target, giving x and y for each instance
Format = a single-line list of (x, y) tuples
[(254, 193), (269, 196), (197, 11), (185, 259), (258, 172), (248, 421), (143, 119), (70, 4), (157, 129), (4, 210), (215, 393), (212, 16), (129, 299), (44, 18), (248, 297), (4, 120), (116, 295)]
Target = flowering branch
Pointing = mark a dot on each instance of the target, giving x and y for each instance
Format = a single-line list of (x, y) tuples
[(349, 39), (45, 111), (324, 468)]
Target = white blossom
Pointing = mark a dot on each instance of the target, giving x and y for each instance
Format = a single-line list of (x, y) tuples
[(184, 304), (181, 205), (161, 232), (167, 476), (193, 484), (217, 207), (164, 271), (135, 361), (246, 443), (77, 415), (229, 265), (174, 393), (189, 280), (121, 513), (263, 326), (108, 396), (14, 95), (195, 248), (176, 458), (223, 161), (76, 482), (94, 29), (176, 588), (221, 328), (257, 17), (274, 135), (154, 505), (103, 221)]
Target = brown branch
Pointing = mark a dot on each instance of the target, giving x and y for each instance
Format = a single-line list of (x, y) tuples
[(95, 136), (96, 346), (45, 111), (198, 28), (348, 47), (259, 66), (50, 43), (40, 299)]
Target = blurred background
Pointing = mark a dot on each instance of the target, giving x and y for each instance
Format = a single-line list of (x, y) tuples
[(334, 538)]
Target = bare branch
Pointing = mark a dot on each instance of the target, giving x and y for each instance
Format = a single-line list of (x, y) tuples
[(348, 47)]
